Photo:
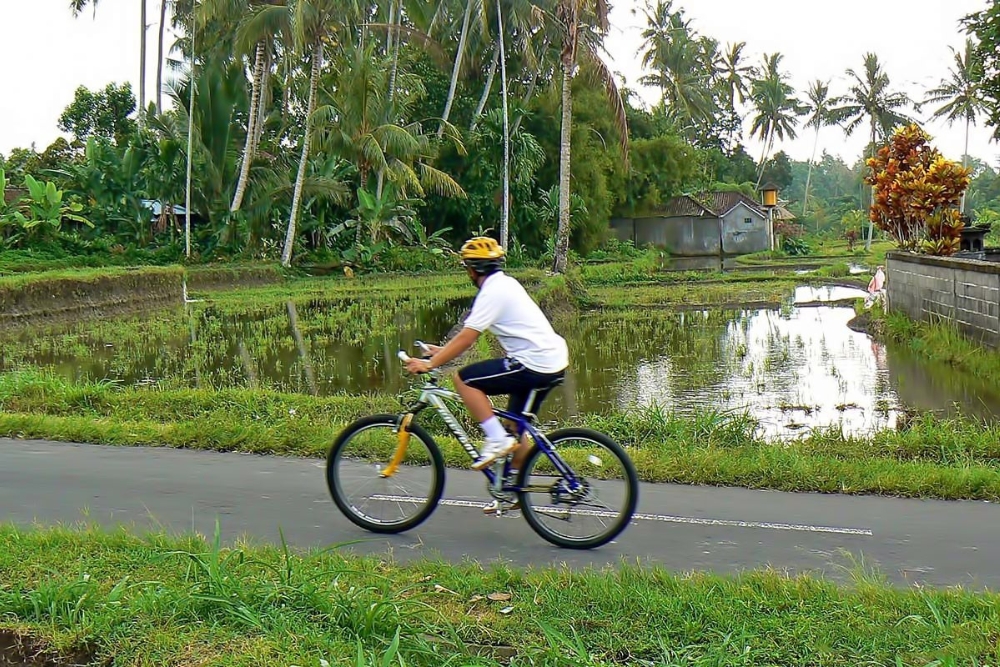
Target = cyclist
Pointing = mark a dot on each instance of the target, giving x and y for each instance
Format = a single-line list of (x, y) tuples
[(536, 356)]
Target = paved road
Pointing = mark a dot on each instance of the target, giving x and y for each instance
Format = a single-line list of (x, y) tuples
[(682, 527)]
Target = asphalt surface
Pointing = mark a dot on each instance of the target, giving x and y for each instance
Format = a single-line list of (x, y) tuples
[(684, 528)]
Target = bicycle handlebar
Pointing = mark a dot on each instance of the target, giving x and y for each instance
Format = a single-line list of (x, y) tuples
[(404, 357)]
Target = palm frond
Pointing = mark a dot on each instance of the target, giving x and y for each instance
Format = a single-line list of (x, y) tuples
[(614, 97), (430, 45), (266, 23), (439, 182)]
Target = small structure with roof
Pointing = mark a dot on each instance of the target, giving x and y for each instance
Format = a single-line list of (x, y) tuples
[(703, 224)]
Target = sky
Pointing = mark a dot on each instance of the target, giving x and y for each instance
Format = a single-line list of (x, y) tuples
[(46, 54)]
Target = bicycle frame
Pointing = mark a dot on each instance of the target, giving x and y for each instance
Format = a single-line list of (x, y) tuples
[(431, 395)]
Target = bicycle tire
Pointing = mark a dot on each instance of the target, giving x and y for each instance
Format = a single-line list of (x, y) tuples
[(631, 480), (334, 458)]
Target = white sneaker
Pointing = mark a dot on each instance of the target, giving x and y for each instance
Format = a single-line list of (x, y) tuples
[(493, 450), (507, 507)]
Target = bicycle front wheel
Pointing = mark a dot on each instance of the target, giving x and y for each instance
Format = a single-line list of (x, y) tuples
[(380, 485), (592, 515)]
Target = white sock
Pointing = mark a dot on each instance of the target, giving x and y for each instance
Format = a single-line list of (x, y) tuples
[(494, 429)]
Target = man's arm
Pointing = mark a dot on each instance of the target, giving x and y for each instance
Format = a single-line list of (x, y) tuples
[(465, 339)]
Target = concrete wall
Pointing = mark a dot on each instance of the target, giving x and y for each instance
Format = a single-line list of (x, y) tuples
[(697, 236), (687, 236), (741, 238), (965, 292)]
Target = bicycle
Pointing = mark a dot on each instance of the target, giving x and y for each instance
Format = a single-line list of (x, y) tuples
[(581, 476)]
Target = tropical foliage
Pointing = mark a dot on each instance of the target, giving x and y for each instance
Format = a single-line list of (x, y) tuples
[(325, 132), (916, 193)]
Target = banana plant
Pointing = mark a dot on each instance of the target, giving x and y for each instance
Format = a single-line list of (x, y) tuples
[(42, 211), (380, 218)]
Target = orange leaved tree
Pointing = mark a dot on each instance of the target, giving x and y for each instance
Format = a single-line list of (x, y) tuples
[(917, 192)]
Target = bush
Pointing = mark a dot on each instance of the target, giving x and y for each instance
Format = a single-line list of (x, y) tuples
[(614, 250), (414, 260), (795, 246)]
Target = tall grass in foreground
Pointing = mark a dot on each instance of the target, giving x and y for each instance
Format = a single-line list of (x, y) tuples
[(161, 600)]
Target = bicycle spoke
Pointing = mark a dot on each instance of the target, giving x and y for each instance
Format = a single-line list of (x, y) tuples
[(357, 476), (585, 514)]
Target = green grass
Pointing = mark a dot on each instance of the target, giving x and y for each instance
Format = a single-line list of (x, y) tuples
[(824, 252), (83, 276), (942, 343), (706, 293), (157, 600), (950, 459)]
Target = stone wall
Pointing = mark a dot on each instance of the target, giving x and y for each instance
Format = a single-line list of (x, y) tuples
[(965, 292), (691, 236)]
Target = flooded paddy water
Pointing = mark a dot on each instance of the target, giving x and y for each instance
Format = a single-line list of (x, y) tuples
[(795, 368)]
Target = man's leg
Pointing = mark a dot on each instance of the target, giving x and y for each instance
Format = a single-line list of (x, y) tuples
[(476, 401), (528, 400), (475, 383)]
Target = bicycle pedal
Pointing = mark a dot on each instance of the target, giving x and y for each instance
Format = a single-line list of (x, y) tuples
[(499, 509)]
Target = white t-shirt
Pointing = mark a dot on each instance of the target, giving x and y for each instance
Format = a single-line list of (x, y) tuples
[(504, 308)]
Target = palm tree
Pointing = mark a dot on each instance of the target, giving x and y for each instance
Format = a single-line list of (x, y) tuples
[(736, 74), (579, 39), (312, 22), (682, 64), (821, 109), (733, 79), (871, 98), (777, 108), (961, 93), (360, 125), (261, 23)]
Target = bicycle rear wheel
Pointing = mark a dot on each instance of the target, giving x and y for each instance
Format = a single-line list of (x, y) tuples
[(376, 502), (596, 513)]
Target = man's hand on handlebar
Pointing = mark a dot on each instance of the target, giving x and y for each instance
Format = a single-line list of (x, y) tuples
[(417, 366)]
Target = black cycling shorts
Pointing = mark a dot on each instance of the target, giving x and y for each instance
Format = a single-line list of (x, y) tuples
[(511, 377)]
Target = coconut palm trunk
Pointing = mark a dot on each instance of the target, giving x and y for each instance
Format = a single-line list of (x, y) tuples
[(505, 211), (252, 119), (965, 162), (456, 69), (809, 174), (530, 93), (190, 144), (395, 22), (142, 62), (263, 102), (768, 145), (871, 224), (563, 231), (317, 65), (490, 76), (159, 57)]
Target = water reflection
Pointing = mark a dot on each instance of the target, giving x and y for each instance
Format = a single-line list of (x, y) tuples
[(793, 371), (827, 293), (794, 368)]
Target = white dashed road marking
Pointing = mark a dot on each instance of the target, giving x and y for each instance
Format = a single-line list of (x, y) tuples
[(665, 518)]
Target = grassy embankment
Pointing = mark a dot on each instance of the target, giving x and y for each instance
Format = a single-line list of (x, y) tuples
[(156, 600)]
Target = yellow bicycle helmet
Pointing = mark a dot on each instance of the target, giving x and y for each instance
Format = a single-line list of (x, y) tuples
[(483, 255)]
